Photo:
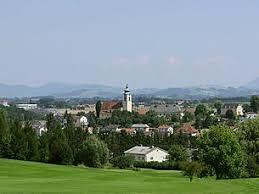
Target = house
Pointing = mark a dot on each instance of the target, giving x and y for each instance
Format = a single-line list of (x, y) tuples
[(4, 103), (188, 129), (85, 109), (236, 108), (111, 128), (27, 106), (165, 129), (140, 127), (129, 131), (251, 115), (40, 127), (147, 154)]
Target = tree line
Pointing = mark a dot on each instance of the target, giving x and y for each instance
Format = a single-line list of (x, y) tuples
[(222, 151)]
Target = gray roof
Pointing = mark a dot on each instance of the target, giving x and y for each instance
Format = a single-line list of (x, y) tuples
[(140, 126), (166, 108), (141, 150)]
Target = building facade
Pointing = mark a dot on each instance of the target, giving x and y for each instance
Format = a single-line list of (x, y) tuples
[(147, 154)]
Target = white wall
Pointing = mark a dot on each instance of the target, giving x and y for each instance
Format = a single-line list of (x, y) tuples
[(156, 155)]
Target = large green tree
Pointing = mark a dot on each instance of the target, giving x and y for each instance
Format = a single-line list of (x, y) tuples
[(218, 106), (249, 139), (4, 135), (254, 103), (94, 152), (98, 107), (220, 149), (178, 153)]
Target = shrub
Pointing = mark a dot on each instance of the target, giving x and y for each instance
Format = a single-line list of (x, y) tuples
[(123, 162), (167, 165)]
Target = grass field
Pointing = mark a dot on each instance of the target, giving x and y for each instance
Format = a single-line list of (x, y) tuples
[(30, 177)]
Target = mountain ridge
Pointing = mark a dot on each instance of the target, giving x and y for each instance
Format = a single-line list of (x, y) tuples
[(64, 90)]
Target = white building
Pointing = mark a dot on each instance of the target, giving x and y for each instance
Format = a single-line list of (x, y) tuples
[(147, 154), (127, 100), (27, 106), (251, 115), (140, 127), (4, 103), (239, 110), (39, 127), (83, 121), (165, 129)]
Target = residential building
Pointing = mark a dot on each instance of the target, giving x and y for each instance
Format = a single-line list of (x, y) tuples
[(188, 129), (140, 127), (40, 127), (27, 106), (147, 154), (251, 115), (74, 110), (166, 109), (165, 129), (4, 103), (129, 131)]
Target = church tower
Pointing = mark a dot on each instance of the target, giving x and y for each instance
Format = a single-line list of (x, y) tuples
[(127, 100)]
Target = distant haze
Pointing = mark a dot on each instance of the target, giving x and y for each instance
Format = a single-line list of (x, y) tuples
[(145, 43)]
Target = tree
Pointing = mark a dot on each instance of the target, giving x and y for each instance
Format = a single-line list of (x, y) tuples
[(178, 153), (98, 107), (218, 106), (249, 139), (191, 169), (188, 117), (230, 114), (201, 113), (247, 108), (31, 140), (18, 144), (44, 148), (201, 109), (91, 119), (94, 152), (220, 149), (59, 150), (123, 162), (4, 135), (175, 117), (254, 103)]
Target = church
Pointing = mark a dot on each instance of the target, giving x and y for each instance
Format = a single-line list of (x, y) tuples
[(125, 105)]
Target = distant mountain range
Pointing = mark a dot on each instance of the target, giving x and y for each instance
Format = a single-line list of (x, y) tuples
[(61, 90)]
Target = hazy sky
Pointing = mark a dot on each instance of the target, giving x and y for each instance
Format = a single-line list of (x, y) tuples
[(146, 43)]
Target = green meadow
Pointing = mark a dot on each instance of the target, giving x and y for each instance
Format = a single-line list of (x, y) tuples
[(32, 177)]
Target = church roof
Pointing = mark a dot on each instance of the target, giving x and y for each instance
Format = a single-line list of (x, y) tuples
[(111, 105)]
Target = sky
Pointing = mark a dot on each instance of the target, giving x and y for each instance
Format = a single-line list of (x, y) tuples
[(145, 43)]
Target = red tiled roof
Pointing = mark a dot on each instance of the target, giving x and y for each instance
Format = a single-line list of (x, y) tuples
[(164, 127), (143, 111), (187, 128), (128, 130), (111, 105)]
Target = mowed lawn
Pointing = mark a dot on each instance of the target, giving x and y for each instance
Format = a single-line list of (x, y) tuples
[(31, 177)]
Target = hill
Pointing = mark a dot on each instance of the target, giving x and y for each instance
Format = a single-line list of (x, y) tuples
[(253, 84), (61, 90), (31, 177)]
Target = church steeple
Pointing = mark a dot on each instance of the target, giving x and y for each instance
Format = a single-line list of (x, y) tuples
[(127, 99)]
